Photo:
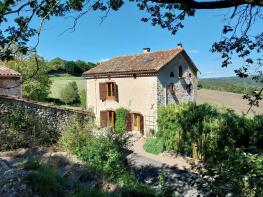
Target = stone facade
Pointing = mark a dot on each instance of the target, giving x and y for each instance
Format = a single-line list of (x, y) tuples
[(181, 93), (10, 87)]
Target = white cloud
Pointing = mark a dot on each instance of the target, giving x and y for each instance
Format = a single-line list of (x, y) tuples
[(193, 51)]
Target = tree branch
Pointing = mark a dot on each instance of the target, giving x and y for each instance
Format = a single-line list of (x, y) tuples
[(212, 4)]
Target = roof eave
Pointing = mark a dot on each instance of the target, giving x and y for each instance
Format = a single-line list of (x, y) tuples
[(118, 74), (10, 76)]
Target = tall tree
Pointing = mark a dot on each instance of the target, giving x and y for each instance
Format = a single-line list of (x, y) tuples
[(16, 27)]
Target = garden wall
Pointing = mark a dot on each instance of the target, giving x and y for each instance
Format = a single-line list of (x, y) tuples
[(46, 116)]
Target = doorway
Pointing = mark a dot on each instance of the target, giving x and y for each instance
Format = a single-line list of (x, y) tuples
[(111, 119), (136, 122)]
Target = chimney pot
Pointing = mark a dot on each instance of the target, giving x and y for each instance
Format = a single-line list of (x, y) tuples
[(146, 50), (180, 45)]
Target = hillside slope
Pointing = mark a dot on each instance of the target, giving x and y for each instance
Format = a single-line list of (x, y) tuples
[(230, 84)]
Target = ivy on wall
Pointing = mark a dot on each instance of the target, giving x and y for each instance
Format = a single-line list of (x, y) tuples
[(121, 124)]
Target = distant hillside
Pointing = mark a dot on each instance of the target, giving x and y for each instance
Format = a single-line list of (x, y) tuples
[(230, 84)]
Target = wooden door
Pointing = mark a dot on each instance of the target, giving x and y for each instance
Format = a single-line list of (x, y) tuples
[(136, 122), (111, 119)]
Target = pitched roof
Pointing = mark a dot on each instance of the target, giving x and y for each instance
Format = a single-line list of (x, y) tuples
[(139, 63), (7, 72)]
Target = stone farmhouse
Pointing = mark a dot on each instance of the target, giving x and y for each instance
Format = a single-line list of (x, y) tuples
[(10, 82), (140, 83)]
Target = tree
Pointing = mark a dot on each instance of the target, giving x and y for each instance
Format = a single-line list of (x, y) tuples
[(36, 82), (83, 98), (70, 93), (83, 66), (70, 67), (57, 65), (78, 67), (239, 38)]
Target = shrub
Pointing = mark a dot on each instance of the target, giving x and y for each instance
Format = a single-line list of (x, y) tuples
[(120, 124), (204, 131), (32, 164), (154, 145), (217, 136), (242, 172), (257, 136), (70, 93), (83, 99), (104, 153), (84, 192), (45, 181)]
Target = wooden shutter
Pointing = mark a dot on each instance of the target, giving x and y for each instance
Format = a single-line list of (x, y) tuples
[(142, 124), (103, 91), (129, 121), (104, 118), (116, 93)]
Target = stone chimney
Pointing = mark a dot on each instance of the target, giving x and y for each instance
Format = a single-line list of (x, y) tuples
[(146, 50), (180, 45)]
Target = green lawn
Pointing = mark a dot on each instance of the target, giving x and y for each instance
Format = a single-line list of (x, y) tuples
[(61, 80)]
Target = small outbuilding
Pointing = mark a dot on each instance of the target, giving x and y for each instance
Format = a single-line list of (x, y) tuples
[(10, 82)]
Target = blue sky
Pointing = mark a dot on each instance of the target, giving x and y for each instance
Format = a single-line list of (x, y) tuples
[(123, 33)]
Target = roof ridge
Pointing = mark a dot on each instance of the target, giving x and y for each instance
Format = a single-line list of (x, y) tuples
[(6, 71), (139, 54)]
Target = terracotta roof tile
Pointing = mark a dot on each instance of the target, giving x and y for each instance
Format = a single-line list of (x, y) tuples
[(145, 62), (7, 72)]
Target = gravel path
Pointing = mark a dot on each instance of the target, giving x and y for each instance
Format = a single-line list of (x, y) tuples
[(147, 167)]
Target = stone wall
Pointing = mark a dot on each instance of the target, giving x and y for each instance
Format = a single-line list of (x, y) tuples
[(49, 117), (10, 87)]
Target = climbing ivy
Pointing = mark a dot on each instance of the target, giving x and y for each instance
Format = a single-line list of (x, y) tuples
[(120, 124)]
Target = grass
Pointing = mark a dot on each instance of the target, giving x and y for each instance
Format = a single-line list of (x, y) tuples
[(44, 179), (61, 80)]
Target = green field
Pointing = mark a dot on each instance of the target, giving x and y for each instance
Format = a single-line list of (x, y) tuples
[(61, 80)]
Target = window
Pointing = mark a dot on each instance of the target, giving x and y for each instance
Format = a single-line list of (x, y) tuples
[(180, 71), (171, 88), (172, 74), (110, 91), (107, 118)]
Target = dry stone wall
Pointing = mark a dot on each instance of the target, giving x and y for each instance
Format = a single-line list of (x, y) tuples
[(47, 117)]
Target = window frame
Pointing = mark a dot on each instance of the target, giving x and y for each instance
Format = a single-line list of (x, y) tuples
[(110, 91)]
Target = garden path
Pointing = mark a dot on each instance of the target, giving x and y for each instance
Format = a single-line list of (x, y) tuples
[(179, 170)]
